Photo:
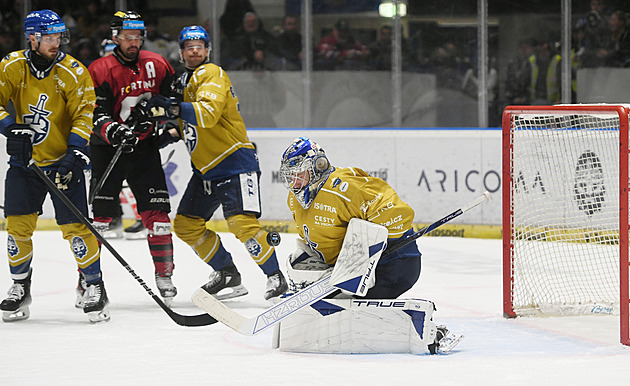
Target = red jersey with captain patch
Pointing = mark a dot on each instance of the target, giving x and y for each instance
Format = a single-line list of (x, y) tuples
[(120, 85)]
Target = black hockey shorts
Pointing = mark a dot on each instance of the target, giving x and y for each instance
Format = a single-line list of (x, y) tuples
[(25, 193), (238, 194), (143, 171)]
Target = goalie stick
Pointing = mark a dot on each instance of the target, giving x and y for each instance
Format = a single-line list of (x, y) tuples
[(309, 295), (182, 320)]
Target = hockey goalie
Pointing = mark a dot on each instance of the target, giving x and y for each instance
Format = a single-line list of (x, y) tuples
[(345, 220)]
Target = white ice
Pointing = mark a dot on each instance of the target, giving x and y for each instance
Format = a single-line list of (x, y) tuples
[(142, 346)]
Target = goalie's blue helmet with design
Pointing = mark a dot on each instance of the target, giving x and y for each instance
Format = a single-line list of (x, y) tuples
[(45, 22), (194, 32), (304, 169)]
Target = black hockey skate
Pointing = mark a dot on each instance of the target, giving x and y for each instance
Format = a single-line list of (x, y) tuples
[(225, 283), (166, 288), (15, 307), (95, 302), (115, 229), (80, 291), (445, 341), (137, 231), (276, 285)]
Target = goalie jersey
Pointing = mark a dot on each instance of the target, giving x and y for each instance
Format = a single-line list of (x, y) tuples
[(57, 103), (212, 126), (349, 193)]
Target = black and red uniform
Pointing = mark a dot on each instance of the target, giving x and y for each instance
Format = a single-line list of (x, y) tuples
[(119, 86)]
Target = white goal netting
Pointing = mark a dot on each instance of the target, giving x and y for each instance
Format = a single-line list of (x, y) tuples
[(564, 207)]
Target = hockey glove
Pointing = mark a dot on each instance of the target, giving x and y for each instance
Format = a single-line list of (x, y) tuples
[(140, 118), (70, 170), (20, 142), (171, 105), (119, 134), (168, 134)]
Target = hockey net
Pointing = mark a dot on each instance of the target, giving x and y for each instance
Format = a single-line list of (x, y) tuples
[(565, 211)]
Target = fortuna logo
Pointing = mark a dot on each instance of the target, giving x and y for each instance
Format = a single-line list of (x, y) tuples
[(37, 120)]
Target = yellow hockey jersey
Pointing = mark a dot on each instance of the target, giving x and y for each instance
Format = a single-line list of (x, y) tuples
[(58, 106), (212, 126), (346, 194)]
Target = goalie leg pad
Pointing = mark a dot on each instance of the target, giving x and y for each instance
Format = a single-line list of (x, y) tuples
[(357, 326)]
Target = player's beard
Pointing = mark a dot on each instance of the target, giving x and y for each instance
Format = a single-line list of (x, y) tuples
[(131, 55)]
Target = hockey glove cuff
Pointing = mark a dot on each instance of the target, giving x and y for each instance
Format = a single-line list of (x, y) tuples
[(70, 170), (119, 134), (170, 105), (168, 134), (20, 142)]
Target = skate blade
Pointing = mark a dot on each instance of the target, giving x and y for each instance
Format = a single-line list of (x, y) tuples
[(232, 292), (110, 235), (449, 342), (135, 236), (168, 300), (78, 303), (99, 316), (14, 316)]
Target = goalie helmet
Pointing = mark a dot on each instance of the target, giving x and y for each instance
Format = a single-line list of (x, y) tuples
[(45, 22), (304, 169), (127, 20)]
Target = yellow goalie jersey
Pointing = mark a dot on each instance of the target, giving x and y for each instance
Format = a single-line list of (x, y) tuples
[(212, 126), (58, 104), (349, 193)]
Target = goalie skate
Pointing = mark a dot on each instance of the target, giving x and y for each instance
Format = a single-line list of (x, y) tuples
[(96, 302), (445, 341), (15, 306), (225, 283), (166, 288)]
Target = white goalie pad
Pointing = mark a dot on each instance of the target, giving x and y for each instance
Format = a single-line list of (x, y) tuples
[(359, 326), (356, 264), (305, 267)]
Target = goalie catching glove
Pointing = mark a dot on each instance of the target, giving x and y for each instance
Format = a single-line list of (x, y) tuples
[(70, 170), (20, 142), (119, 134)]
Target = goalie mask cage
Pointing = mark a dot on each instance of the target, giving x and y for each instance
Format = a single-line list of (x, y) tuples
[(565, 211)]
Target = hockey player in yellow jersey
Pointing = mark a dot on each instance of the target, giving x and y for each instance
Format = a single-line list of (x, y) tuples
[(225, 171), (53, 95), (323, 199)]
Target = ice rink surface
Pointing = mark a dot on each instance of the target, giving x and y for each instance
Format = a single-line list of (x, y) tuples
[(142, 346)]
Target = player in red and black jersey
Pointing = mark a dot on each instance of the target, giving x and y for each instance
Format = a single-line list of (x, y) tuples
[(123, 83)]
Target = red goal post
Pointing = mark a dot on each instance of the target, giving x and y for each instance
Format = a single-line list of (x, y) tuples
[(565, 211)]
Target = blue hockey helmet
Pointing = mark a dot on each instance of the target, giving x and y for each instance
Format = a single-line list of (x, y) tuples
[(194, 32), (45, 22), (304, 169), (129, 20)]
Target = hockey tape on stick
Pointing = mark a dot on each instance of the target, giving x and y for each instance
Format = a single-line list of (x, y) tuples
[(106, 173), (182, 320), (309, 295)]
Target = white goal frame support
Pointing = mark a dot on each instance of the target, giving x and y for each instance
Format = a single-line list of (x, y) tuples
[(511, 235)]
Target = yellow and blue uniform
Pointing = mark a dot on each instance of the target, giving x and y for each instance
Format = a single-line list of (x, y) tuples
[(226, 171), (58, 104), (352, 193)]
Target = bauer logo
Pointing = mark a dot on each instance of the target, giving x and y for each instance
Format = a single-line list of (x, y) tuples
[(589, 188)]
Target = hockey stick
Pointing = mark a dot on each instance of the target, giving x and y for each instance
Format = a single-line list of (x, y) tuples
[(305, 297), (182, 320), (108, 170)]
